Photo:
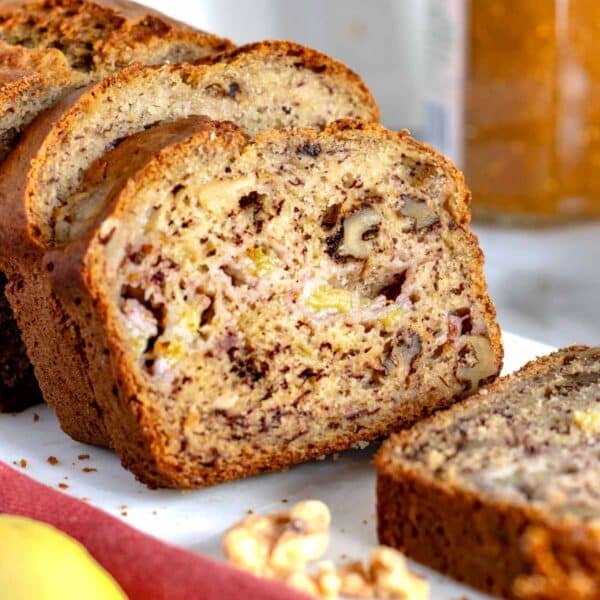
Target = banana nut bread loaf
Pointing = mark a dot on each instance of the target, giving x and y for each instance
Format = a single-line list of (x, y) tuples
[(503, 490), (18, 386), (265, 85), (46, 50), (248, 305)]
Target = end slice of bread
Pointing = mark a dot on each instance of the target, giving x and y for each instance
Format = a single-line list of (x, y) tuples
[(250, 304), (502, 486)]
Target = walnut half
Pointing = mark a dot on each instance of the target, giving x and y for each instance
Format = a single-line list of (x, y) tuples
[(281, 543), (357, 229), (481, 359)]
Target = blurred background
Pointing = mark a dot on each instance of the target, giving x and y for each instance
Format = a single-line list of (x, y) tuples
[(511, 91)]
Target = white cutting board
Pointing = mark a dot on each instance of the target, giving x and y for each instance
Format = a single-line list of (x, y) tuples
[(196, 520)]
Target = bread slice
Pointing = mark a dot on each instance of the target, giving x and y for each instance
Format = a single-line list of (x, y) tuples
[(459, 491), (54, 46), (104, 36), (35, 74), (266, 85), (247, 305)]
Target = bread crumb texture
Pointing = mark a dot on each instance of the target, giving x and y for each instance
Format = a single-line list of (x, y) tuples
[(49, 48)]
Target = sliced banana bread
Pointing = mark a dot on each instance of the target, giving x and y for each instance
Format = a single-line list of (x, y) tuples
[(272, 84), (247, 305), (56, 46), (459, 491), (62, 44)]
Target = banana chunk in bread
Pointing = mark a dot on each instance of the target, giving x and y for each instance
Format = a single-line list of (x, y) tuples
[(459, 490), (261, 86), (47, 49), (254, 304)]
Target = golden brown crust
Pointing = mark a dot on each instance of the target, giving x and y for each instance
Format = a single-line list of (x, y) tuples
[(125, 9), (32, 59), (14, 84), (563, 567), (124, 413), (462, 532), (30, 80)]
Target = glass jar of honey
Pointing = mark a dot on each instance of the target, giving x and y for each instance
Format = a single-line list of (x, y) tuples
[(532, 110)]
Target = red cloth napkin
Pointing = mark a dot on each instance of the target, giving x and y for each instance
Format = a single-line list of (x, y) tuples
[(145, 567)]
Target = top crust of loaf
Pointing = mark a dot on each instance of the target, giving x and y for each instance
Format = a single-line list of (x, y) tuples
[(73, 42), (104, 36)]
